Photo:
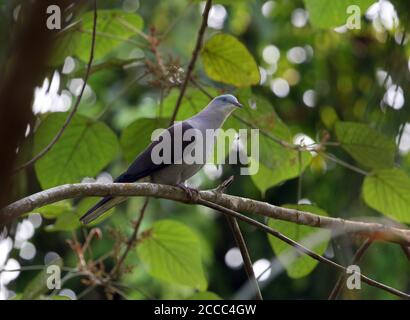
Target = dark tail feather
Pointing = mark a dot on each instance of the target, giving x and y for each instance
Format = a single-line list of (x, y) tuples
[(101, 207)]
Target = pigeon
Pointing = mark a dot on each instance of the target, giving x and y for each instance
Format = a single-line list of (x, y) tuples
[(177, 169)]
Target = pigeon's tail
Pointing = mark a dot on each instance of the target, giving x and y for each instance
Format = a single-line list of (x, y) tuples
[(101, 207)]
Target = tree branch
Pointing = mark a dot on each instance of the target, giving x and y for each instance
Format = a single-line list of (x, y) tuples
[(356, 259), (195, 54), (240, 242), (43, 152), (302, 249), (131, 241), (372, 230), (247, 262), (226, 204)]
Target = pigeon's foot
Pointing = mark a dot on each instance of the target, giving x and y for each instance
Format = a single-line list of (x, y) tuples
[(192, 193)]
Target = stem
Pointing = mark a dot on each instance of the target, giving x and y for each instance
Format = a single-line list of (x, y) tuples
[(342, 278), (131, 241), (344, 164), (302, 248), (247, 262), (195, 54)]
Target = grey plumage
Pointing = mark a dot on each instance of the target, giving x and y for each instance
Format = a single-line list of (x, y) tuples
[(177, 171)]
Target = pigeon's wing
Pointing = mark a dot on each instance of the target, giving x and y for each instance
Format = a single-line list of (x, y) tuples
[(142, 167)]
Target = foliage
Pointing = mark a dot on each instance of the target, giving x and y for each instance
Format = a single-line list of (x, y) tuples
[(170, 251), (301, 265), (324, 14), (329, 136), (387, 191), (85, 148), (366, 145), (227, 60)]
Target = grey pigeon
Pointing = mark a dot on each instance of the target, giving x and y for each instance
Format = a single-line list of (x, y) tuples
[(177, 170)]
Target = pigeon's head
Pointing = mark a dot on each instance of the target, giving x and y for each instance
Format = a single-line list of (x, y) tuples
[(226, 101)]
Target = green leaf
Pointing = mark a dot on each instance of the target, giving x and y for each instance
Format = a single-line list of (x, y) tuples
[(194, 101), (54, 210), (84, 149), (388, 191), (67, 221), (137, 135), (366, 145), (328, 14), (205, 295), (66, 45), (114, 27), (303, 264), (287, 167), (38, 285), (227, 60), (276, 163), (58, 297), (259, 114), (170, 251)]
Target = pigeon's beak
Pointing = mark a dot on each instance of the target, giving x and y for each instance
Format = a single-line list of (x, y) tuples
[(237, 104)]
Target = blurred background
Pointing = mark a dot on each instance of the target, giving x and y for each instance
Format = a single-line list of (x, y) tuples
[(310, 76)]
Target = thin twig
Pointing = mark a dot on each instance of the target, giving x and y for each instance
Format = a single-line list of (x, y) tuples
[(86, 291), (299, 195), (342, 278), (194, 57), (240, 242), (302, 248), (134, 288), (343, 163), (34, 268), (406, 251), (131, 241), (201, 88), (247, 262), (74, 110)]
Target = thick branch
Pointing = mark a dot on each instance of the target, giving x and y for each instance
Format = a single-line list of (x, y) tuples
[(300, 248), (195, 54), (372, 230)]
